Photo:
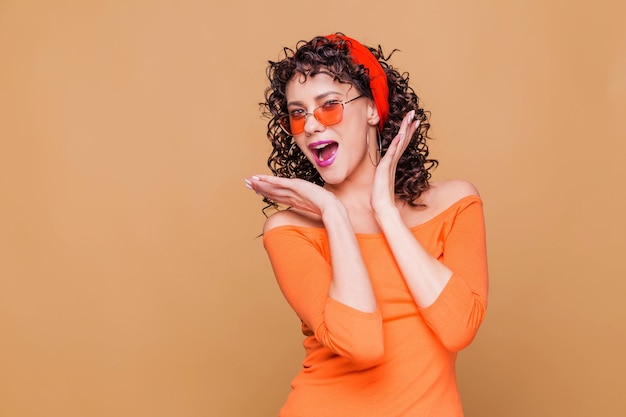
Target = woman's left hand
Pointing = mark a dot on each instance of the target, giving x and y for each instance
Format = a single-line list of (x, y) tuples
[(383, 193)]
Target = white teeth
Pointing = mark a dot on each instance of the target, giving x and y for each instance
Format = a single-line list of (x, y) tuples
[(319, 148)]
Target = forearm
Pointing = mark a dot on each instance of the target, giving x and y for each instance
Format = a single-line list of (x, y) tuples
[(424, 275), (300, 258), (350, 280)]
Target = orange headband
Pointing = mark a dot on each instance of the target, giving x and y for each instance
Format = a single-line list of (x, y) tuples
[(378, 80)]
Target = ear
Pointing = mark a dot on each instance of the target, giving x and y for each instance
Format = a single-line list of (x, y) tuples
[(372, 114)]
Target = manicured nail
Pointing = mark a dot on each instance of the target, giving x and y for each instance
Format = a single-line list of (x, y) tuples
[(248, 184), (411, 115), (255, 177)]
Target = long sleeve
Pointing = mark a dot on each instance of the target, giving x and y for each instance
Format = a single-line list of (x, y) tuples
[(301, 262), (459, 310)]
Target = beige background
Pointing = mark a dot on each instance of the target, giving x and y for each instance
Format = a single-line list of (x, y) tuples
[(131, 279)]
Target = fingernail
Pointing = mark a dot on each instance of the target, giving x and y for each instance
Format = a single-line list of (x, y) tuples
[(255, 177), (411, 115), (248, 184)]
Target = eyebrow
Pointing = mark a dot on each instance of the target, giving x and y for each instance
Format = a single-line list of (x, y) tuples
[(316, 98)]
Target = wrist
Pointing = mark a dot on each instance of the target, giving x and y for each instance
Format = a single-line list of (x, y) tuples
[(386, 213), (332, 207)]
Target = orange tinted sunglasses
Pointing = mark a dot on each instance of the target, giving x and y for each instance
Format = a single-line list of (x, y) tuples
[(330, 113)]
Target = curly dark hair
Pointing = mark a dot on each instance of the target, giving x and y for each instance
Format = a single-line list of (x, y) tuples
[(332, 57)]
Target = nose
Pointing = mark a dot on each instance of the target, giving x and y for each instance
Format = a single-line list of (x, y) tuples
[(311, 124)]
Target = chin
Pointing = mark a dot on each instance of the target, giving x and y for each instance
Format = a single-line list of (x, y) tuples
[(331, 179)]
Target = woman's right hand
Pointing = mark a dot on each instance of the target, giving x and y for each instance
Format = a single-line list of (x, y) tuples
[(292, 192)]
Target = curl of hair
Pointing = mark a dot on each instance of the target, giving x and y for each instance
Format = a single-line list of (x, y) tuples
[(332, 57)]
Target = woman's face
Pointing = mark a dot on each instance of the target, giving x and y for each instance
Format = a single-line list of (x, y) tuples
[(339, 152)]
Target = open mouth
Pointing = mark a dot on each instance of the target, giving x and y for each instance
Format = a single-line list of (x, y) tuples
[(324, 152)]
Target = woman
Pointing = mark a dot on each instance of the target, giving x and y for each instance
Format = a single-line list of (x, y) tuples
[(386, 270)]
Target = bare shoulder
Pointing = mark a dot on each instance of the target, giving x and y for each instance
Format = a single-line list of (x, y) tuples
[(443, 194), (455, 189), (291, 217), (440, 196)]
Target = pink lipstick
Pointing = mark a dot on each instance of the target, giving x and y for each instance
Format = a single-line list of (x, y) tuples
[(324, 152)]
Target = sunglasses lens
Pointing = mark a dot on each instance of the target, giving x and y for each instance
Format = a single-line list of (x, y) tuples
[(297, 125), (329, 114)]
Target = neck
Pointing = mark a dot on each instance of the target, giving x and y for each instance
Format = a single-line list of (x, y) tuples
[(356, 192), (357, 200)]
